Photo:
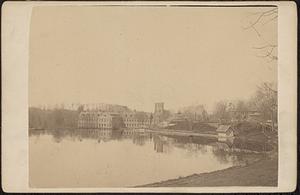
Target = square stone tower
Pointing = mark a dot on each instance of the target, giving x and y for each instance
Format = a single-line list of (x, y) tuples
[(159, 108), (158, 113)]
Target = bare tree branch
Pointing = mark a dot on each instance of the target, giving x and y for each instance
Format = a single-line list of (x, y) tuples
[(261, 16), (275, 17), (269, 51), (258, 34), (266, 46), (260, 19)]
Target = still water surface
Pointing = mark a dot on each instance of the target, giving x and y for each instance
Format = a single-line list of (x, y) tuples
[(95, 158)]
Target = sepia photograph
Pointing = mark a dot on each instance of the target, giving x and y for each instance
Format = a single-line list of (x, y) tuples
[(151, 96)]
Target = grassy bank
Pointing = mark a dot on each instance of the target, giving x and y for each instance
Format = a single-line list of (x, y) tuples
[(260, 173)]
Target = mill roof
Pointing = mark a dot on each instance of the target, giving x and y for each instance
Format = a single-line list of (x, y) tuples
[(223, 128)]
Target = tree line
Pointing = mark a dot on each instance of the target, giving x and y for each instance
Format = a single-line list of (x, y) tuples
[(264, 101), (52, 119)]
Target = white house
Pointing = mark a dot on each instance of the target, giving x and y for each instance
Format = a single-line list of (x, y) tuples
[(225, 131)]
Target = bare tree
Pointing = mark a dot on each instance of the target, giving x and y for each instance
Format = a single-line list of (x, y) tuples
[(265, 100), (268, 51), (221, 111), (256, 20)]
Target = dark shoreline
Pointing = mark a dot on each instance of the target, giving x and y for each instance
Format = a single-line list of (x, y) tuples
[(263, 172)]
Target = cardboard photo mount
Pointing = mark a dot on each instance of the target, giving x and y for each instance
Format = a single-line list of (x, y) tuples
[(15, 50)]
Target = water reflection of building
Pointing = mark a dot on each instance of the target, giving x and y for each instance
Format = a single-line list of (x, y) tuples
[(158, 144), (57, 135), (139, 139), (80, 134), (91, 134), (161, 144)]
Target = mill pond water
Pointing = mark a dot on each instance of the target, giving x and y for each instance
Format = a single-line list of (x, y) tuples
[(106, 158)]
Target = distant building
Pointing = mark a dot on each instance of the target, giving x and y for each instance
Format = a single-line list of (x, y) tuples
[(87, 120), (114, 120), (144, 119), (105, 108), (178, 117), (196, 112), (159, 108), (130, 120), (255, 116), (243, 115), (99, 120), (135, 120), (225, 131), (158, 113), (178, 122)]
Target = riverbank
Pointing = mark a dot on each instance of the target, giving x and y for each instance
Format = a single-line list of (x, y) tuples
[(181, 133), (260, 173)]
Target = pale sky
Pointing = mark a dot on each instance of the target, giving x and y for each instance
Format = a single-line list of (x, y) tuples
[(136, 56)]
